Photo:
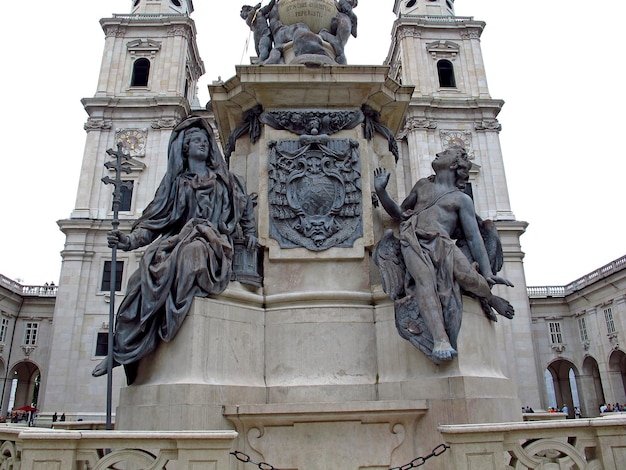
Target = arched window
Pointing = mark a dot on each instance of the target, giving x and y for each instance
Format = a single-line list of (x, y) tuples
[(141, 72), (446, 74)]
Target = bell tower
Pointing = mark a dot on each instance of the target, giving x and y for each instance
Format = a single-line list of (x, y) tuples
[(147, 84), (440, 55)]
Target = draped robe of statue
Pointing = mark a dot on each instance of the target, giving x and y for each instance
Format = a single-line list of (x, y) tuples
[(189, 226)]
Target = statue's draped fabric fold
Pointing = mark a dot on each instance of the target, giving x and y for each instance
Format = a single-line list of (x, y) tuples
[(189, 226)]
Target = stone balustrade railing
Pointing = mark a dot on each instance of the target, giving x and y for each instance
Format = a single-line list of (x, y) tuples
[(440, 18), (594, 276), (40, 291), (582, 444), (147, 16), (30, 448)]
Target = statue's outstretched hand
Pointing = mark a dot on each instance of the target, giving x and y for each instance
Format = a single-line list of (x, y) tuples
[(381, 179), (118, 239), (498, 280)]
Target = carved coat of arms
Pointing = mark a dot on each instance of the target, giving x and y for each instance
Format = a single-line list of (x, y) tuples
[(315, 194)]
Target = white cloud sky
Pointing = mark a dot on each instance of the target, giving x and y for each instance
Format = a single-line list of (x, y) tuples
[(556, 65)]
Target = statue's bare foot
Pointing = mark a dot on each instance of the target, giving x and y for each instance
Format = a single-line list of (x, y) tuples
[(102, 368), (444, 351), (502, 306)]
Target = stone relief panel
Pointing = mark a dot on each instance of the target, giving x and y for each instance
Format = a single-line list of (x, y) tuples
[(315, 194)]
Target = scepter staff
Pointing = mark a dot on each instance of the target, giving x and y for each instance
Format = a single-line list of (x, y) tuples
[(119, 165)]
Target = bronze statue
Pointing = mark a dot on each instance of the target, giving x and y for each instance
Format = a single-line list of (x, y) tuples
[(343, 25), (256, 19), (189, 227), (425, 272)]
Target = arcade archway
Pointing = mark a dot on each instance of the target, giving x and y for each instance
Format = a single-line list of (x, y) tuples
[(565, 379), (617, 375)]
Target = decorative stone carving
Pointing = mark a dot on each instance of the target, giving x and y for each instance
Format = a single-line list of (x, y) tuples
[(443, 50), (143, 48), (97, 125), (409, 32), (488, 125), (114, 31), (251, 126), (415, 123), (558, 348), (470, 34), (316, 14), (28, 350), (178, 31), (373, 124), (315, 192), (312, 122), (167, 123)]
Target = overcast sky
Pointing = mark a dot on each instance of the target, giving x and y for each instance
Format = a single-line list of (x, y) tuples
[(555, 64)]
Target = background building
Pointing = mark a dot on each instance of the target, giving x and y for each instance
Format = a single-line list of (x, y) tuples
[(25, 341), (578, 340)]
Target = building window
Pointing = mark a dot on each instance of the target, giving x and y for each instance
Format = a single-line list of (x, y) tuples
[(126, 196), (102, 344), (30, 333), (446, 74), (582, 328), (555, 332), (610, 323), (106, 276), (4, 329), (141, 72)]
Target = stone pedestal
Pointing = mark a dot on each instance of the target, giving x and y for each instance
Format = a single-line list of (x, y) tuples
[(309, 369)]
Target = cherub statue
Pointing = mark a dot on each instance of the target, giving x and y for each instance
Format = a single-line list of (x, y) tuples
[(426, 272), (342, 26), (256, 19)]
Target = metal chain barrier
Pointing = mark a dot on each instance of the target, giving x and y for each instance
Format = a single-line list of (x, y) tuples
[(418, 462), (246, 459)]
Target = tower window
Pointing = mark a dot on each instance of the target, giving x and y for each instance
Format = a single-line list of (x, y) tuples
[(126, 197), (102, 344), (136, 2), (106, 276), (176, 2), (445, 70), (410, 3), (141, 72)]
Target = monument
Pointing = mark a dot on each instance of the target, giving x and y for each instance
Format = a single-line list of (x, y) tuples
[(309, 367)]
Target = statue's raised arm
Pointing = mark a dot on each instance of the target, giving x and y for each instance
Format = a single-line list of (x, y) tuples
[(436, 218)]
